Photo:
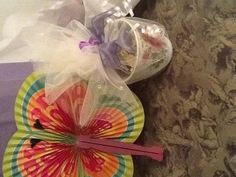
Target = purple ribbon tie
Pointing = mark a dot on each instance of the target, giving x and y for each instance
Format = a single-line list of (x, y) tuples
[(108, 50), (91, 42)]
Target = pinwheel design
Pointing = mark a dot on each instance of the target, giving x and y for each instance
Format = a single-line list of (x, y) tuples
[(50, 142)]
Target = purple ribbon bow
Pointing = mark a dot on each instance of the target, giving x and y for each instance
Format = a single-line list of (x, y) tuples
[(92, 42), (108, 50)]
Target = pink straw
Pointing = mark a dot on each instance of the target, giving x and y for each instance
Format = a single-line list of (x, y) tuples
[(117, 147)]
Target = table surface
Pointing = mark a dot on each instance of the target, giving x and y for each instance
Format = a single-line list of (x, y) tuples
[(11, 78)]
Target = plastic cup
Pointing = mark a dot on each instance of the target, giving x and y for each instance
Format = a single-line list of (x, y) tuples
[(144, 48)]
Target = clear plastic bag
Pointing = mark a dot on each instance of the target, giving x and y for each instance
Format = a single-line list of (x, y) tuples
[(60, 12), (95, 7), (143, 48)]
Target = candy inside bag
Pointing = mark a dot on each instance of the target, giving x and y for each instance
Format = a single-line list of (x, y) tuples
[(142, 47)]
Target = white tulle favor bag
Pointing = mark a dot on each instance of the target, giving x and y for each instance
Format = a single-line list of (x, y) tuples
[(75, 117)]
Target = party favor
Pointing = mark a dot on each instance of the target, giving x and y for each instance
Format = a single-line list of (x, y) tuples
[(140, 47), (50, 140)]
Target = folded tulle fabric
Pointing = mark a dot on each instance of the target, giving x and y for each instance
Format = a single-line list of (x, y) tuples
[(54, 50)]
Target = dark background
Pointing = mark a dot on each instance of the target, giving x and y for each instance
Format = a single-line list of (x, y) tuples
[(191, 106)]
